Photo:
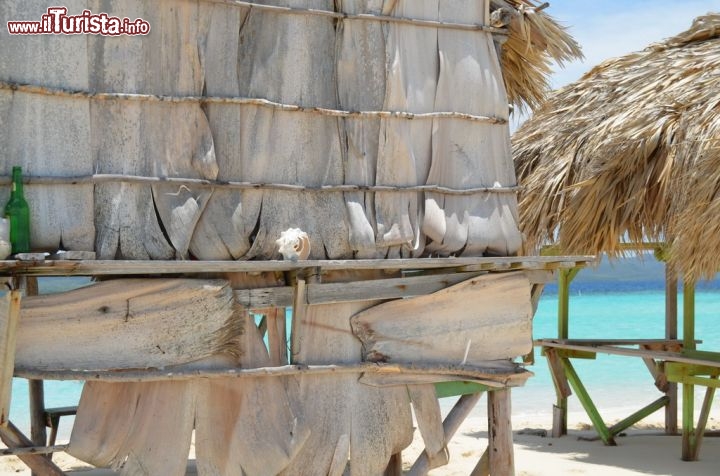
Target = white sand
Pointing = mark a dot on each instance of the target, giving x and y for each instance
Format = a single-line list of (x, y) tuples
[(644, 451)]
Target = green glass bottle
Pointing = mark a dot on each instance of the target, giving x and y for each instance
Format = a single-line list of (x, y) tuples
[(18, 212)]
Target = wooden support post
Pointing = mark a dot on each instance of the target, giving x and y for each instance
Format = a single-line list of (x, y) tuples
[(9, 317), (452, 422), (702, 421), (638, 415), (688, 437), (277, 336), (500, 437), (13, 438), (587, 403), (565, 276), (671, 332)]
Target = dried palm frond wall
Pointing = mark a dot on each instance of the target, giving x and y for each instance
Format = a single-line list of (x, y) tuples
[(231, 96)]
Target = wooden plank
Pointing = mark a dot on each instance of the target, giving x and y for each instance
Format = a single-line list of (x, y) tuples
[(671, 332), (457, 388), (277, 336), (639, 342), (430, 423), (443, 328), (604, 349), (557, 372), (120, 267), (365, 290), (452, 422), (9, 318), (500, 437), (702, 420), (13, 438), (587, 403), (383, 288), (490, 375), (265, 297), (127, 323), (658, 375)]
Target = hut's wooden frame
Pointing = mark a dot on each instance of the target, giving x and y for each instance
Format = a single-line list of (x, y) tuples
[(497, 384)]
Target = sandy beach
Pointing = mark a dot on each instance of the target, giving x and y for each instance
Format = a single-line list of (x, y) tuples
[(642, 450)]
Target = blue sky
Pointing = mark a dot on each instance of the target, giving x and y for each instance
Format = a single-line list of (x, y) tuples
[(610, 28)]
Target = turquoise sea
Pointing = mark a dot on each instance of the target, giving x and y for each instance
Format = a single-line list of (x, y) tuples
[(626, 300)]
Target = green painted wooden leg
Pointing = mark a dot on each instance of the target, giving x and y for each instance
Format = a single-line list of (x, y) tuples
[(587, 403), (626, 423), (688, 430), (702, 421), (689, 441), (565, 277)]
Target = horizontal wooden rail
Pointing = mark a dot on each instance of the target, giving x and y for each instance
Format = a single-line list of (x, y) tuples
[(611, 350), (493, 376), (32, 450), (130, 267), (246, 101), (97, 179), (366, 17)]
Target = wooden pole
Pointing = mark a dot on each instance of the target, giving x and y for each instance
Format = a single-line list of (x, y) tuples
[(671, 332), (452, 422), (565, 276), (689, 441), (500, 437), (36, 388), (13, 438), (9, 317)]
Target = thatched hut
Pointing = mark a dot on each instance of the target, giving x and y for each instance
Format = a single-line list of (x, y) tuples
[(629, 153), (357, 133)]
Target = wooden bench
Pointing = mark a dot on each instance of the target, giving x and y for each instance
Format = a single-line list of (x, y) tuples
[(668, 362)]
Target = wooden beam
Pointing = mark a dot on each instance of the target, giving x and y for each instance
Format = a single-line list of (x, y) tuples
[(13, 438), (588, 404), (500, 437), (452, 422), (702, 420), (689, 441), (639, 415), (557, 372), (671, 333), (366, 290), (661, 381), (606, 349), (139, 267), (499, 373), (9, 318)]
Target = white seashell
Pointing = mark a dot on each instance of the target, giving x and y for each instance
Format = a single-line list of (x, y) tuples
[(294, 244)]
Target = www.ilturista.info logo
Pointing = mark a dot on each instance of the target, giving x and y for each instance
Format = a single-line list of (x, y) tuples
[(57, 22)]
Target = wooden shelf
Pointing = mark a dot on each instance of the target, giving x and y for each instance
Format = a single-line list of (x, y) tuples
[(128, 267)]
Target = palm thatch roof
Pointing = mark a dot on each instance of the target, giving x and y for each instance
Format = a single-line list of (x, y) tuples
[(534, 43), (631, 151)]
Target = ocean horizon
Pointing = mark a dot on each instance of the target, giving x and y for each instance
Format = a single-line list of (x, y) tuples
[(621, 300)]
